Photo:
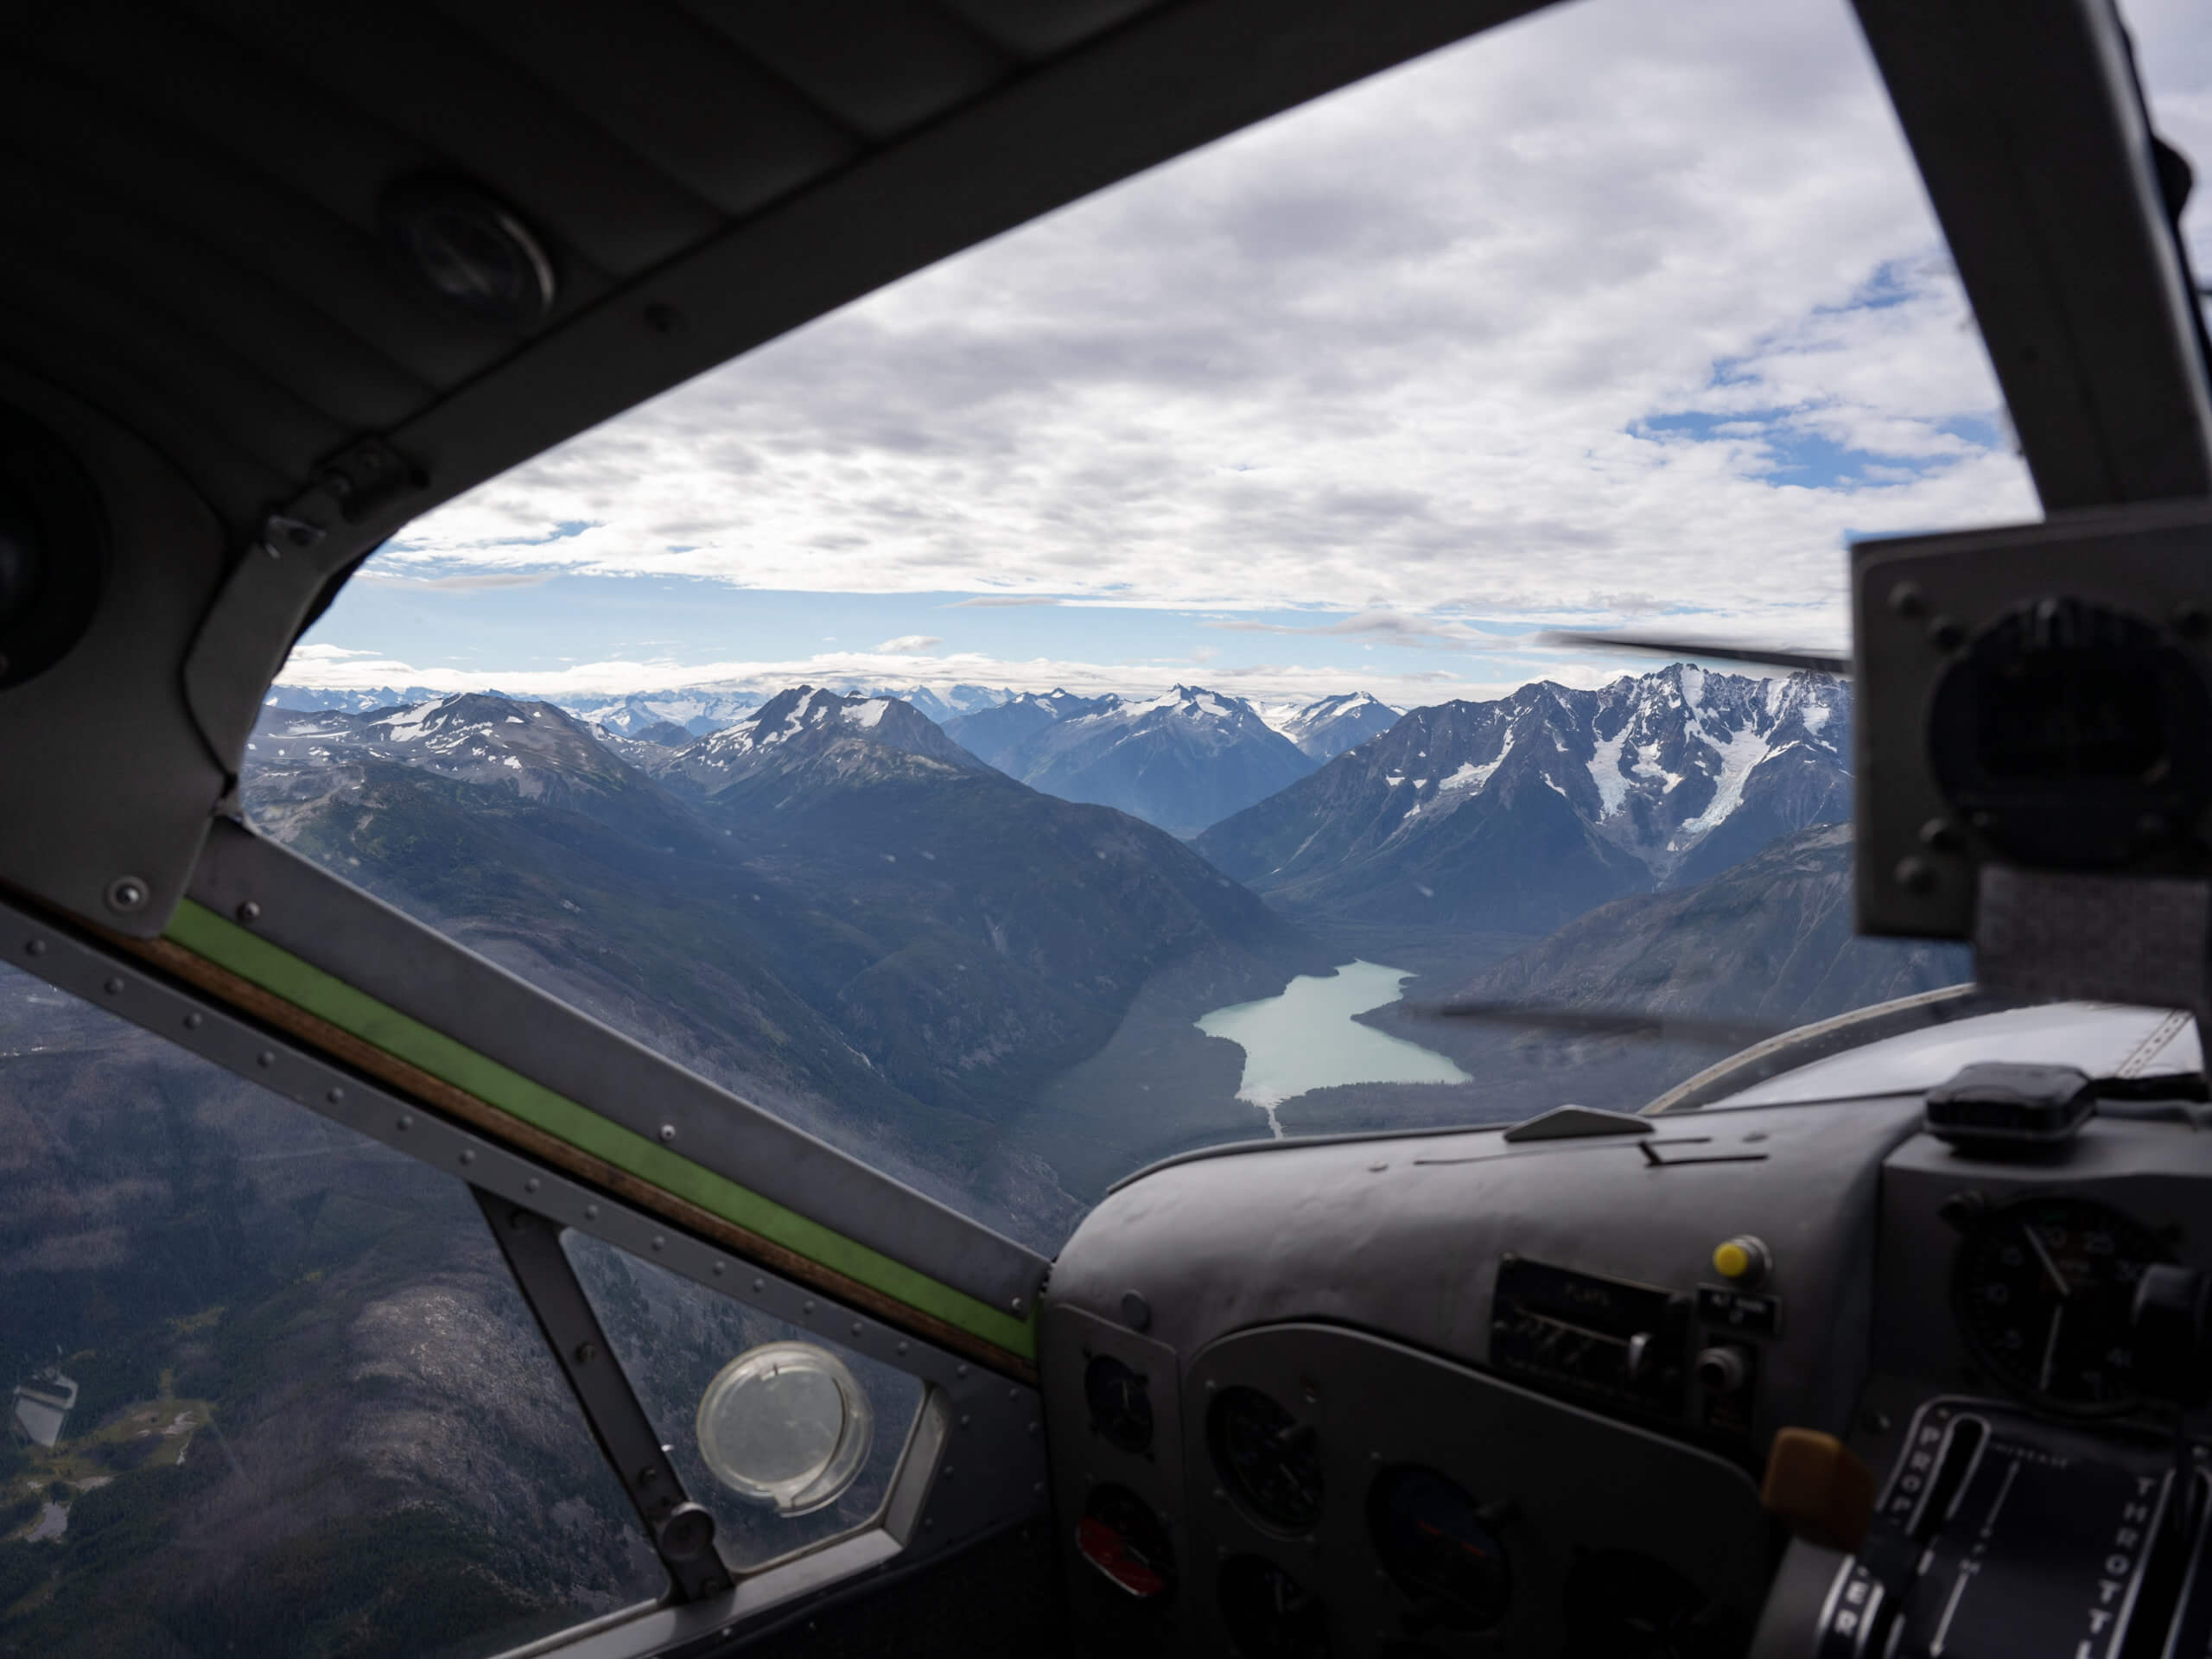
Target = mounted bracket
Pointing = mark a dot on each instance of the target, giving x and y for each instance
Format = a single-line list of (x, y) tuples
[(683, 1532)]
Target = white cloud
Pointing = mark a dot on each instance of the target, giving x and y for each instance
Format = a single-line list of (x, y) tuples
[(1490, 676), (312, 657), (910, 644), (1622, 307)]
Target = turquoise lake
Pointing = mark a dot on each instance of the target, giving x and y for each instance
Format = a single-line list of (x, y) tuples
[(1305, 1038)]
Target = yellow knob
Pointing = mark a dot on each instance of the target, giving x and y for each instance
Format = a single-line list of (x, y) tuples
[(1743, 1259)]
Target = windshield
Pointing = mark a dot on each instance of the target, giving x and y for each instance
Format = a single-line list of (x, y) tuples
[(1091, 701)]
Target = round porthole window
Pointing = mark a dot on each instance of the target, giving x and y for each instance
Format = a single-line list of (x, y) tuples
[(787, 1425)]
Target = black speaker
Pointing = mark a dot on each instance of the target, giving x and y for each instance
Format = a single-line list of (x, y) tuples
[(53, 549)]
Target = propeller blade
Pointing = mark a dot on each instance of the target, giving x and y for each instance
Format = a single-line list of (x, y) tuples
[(1600, 1022), (1814, 661)]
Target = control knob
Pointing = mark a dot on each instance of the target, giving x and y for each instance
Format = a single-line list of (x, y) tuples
[(1721, 1369)]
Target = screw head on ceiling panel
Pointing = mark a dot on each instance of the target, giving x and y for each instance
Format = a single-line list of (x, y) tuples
[(667, 1133), (126, 893), (249, 912)]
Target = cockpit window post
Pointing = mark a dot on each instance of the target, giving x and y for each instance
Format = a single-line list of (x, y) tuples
[(683, 1531)]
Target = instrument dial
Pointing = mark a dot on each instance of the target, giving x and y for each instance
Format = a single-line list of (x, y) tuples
[(1431, 1538), (1120, 1402), (1267, 1458), (2044, 1290)]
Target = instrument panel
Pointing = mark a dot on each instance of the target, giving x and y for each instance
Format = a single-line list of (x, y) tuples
[(1528, 1411)]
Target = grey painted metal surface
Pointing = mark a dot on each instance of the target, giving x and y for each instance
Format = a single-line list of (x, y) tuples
[(1569, 1481), (1258, 1269), (1068, 1339), (2097, 1039), (975, 1465), (1911, 878), (106, 778), (1403, 1239), (337, 927)]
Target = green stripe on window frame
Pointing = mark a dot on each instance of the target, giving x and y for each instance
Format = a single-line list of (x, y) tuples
[(201, 931)]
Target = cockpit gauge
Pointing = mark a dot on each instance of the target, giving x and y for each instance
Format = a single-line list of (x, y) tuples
[(1270, 1461), (1121, 1404), (2045, 1290), (1430, 1536), (1271, 1614), (1120, 1536)]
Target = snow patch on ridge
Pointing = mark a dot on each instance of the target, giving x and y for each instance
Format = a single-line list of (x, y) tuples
[(1605, 772), (1471, 778), (1739, 755)]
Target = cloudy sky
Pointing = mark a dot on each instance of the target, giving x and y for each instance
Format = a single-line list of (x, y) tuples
[(1627, 313)]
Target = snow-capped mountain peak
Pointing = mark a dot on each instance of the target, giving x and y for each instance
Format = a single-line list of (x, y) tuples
[(1662, 778), (814, 729), (1326, 727)]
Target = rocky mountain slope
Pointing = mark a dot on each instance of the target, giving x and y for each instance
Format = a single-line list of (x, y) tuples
[(1767, 943), (1763, 947), (1521, 813), (832, 909)]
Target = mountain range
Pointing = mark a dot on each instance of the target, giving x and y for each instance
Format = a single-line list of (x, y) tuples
[(1522, 813), (832, 908), (1182, 760), (841, 909)]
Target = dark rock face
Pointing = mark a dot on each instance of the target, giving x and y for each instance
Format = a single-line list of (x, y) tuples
[(1768, 942), (1522, 813)]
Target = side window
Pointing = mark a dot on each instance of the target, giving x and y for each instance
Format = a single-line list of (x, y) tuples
[(272, 1389), (786, 1440)]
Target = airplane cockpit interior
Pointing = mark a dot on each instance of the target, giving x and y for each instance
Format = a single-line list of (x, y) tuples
[(394, 1258)]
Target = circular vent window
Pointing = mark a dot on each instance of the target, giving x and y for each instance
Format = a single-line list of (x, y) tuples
[(785, 1424)]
